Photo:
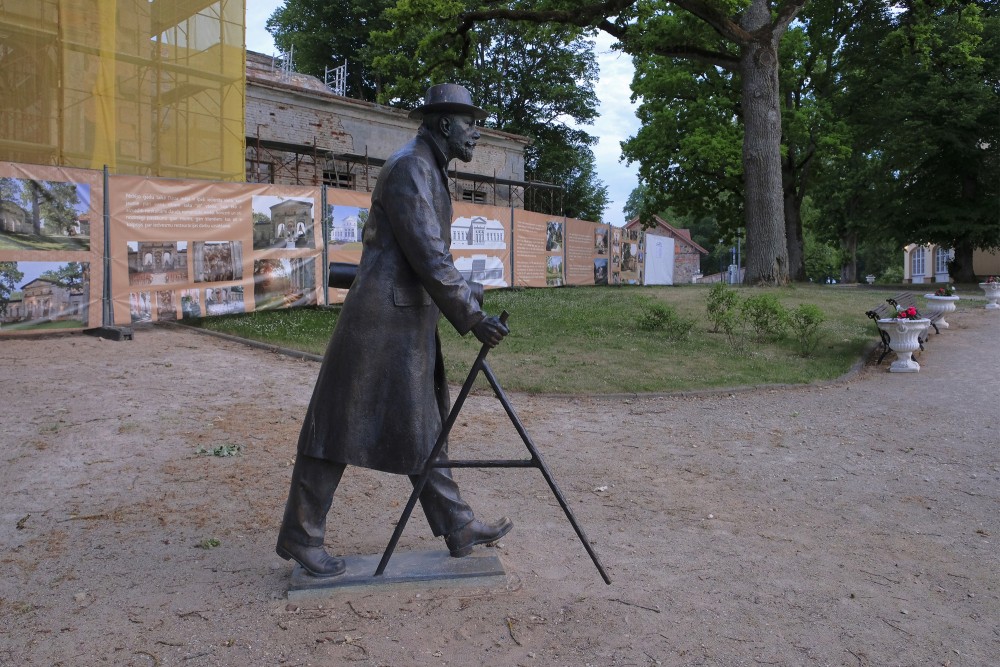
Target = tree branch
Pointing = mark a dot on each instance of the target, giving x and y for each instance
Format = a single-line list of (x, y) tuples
[(616, 31), (692, 52), (786, 13), (597, 16), (590, 15), (719, 22)]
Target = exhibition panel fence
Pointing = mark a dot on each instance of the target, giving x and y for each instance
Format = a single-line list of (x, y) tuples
[(82, 249)]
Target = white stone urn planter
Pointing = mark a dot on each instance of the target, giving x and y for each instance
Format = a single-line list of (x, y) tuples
[(904, 339), (992, 294), (939, 306)]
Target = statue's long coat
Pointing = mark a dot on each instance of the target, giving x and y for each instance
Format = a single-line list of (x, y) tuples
[(381, 396)]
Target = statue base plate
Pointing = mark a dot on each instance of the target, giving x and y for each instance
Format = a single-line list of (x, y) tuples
[(437, 568)]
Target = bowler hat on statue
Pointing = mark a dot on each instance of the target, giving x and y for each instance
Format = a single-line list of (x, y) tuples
[(448, 98)]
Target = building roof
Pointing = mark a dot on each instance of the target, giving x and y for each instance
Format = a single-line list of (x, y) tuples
[(292, 203), (52, 283), (263, 70), (39, 280), (662, 225)]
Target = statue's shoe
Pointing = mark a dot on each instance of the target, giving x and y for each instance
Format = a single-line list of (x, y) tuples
[(475, 532), (314, 560)]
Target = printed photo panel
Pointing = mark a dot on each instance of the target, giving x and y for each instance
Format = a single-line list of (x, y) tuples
[(346, 213), (628, 255), (539, 249), (184, 248), (586, 252), (51, 245), (480, 244), (480, 238)]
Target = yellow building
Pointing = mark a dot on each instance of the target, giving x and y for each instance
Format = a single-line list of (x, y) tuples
[(929, 263), (146, 87)]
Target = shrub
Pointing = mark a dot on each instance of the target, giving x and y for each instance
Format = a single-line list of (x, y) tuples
[(663, 318), (765, 315), (735, 328), (807, 319), (891, 276), (722, 303)]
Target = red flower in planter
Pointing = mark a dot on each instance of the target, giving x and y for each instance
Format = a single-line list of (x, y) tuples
[(907, 314)]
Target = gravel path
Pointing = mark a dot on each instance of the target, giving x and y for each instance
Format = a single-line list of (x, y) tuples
[(853, 523)]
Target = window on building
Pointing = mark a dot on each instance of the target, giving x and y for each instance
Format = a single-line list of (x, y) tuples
[(259, 171), (338, 179), (474, 196), (941, 258), (917, 261)]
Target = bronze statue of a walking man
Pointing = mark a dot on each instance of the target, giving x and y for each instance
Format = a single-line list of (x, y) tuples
[(381, 396)]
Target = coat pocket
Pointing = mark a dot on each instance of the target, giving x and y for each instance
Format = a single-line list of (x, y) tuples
[(410, 296)]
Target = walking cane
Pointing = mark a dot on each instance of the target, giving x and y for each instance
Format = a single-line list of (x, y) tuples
[(535, 461)]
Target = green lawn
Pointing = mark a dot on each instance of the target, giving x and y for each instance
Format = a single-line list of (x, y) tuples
[(36, 325), (15, 241), (587, 339)]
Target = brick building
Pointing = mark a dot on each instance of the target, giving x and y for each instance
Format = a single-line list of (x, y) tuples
[(687, 253), (298, 132)]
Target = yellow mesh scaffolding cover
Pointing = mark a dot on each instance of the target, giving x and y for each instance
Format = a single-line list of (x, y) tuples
[(147, 87)]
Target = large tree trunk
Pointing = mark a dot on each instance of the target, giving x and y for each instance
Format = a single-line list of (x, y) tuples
[(794, 240), (766, 253), (849, 266), (35, 197), (960, 268)]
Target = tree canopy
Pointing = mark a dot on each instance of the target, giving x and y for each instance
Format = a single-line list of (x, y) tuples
[(532, 81), (879, 116), (888, 123), (324, 34), (736, 36), (916, 95), (940, 125), (58, 206), (69, 276), (9, 277)]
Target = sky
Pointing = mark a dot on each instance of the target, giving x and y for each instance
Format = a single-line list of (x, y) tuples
[(616, 123), (32, 270)]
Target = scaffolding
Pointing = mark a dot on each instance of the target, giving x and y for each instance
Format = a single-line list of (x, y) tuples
[(270, 161), (516, 191), (336, 79), (146, 87)]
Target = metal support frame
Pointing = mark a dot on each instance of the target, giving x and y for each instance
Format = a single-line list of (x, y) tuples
[(535, 461), (286, 158)]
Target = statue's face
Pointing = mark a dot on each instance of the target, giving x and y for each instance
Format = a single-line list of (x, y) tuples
[(462, 137)]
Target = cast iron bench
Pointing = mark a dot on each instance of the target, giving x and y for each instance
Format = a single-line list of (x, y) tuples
[(906, 300), (886, 310)]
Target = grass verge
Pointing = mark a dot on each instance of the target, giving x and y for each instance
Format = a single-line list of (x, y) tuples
[(587, 340)]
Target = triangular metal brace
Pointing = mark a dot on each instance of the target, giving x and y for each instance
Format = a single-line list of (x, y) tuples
[(535, 461)]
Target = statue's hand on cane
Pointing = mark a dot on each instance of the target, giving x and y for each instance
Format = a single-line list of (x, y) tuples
[(490, 331)]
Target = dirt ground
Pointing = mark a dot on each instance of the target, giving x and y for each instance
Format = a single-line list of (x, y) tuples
[(854, 523)]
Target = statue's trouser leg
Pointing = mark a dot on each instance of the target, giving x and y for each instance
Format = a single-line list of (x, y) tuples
[(442, 502), (314, 482)]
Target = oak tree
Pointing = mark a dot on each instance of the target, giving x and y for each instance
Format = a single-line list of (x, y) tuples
[(748, 37)]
